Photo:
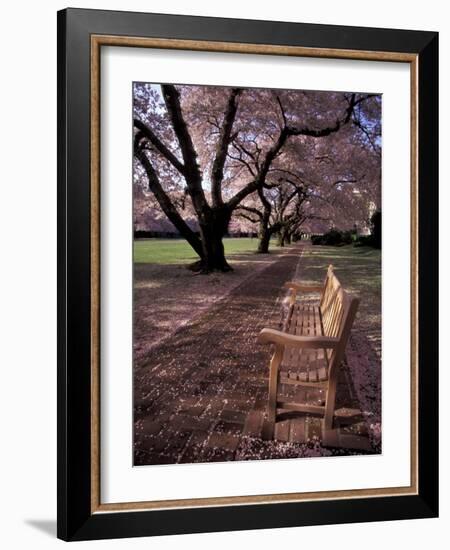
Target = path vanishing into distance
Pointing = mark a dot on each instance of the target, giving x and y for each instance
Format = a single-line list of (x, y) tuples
[(200, 395)]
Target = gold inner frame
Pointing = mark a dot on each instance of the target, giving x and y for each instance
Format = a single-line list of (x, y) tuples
[(97, 41)]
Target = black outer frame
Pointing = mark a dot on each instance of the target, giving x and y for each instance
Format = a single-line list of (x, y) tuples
[(75, 521)]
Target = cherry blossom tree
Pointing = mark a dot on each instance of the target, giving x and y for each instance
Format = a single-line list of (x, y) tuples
[(217, 150), (332, 180)]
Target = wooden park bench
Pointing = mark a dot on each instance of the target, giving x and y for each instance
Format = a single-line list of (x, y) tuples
[(310, 348)]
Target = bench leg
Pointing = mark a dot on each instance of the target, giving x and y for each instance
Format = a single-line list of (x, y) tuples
[(273, 389), (329, 405)]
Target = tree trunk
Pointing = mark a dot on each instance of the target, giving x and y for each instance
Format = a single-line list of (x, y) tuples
[(264, 234), (213, 227), (284, 236), (213, 251), (264, 239), (280, 238)]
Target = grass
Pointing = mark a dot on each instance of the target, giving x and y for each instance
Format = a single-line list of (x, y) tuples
[(357, 267), (359, 270), (178, 251)]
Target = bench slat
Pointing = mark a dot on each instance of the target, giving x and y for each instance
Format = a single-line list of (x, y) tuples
[(307, 366), (311, 365)]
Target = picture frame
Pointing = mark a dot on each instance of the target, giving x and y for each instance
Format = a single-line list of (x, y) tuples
[(81, 35)]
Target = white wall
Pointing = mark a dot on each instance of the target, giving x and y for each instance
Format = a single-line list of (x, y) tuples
[(28, 269)]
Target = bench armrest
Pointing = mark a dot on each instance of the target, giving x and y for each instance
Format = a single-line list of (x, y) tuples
[(268, 335), (302, 287)]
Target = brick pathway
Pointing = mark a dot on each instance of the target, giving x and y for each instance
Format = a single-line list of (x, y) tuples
[(201, 394)]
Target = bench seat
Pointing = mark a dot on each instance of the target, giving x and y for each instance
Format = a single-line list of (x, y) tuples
[(309, 348), (302, 364)]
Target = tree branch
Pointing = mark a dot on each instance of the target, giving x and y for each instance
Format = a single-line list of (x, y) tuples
[(192, 171), (165, 203), (323, 132), (251, 210), (363, 98), (245, 217), (262, 173), (285, 133), (369, 138), (148, 133), (225, 138), (283, 113), (241, 160)]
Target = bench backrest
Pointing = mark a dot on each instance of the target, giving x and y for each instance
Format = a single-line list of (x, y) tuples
[(338, 309)]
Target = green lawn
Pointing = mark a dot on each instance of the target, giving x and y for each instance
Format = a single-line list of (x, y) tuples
[(178, 251), (359, 270)]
